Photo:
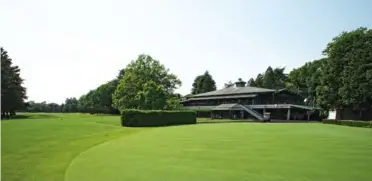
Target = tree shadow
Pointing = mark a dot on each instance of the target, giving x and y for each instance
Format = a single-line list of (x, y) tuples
[(254, 121), (22, 116), (225, 121), (293, 121), (31, 116)]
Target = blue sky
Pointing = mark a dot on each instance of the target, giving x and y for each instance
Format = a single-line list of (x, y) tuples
[(65, 48)]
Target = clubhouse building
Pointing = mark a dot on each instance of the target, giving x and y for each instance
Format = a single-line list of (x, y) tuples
[(244, 102)]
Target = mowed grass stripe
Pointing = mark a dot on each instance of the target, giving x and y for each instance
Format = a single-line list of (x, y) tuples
[(236, 151), (42, 146)]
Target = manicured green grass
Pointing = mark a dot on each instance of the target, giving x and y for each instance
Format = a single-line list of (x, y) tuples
[(67, 146), (41, 146), (235, 151)]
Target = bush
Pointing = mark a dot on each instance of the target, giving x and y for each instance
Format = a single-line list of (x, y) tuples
[(142, 118), (353, 123)]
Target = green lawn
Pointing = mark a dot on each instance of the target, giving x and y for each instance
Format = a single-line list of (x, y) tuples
[(68, 147), (42, 146)]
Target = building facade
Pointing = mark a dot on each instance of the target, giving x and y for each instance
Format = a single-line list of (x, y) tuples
[(243, 102)]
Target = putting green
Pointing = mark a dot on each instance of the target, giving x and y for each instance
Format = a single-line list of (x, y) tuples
[(231, 151)]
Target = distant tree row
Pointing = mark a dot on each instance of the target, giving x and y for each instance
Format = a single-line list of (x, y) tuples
[(99, 100), (342, 79), (70, 106), (271, 78), (144, 84)]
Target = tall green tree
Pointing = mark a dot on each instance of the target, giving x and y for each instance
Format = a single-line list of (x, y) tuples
[(143, 74), (271, 79), (13, 93), (86, 103), (103, 97), (346, 80), (70, 105), (118, 77), (152, 96), (99, 100), (305, 79), (196, 84), (173, 103), (251, 82), (259, 80), (280, 78), (229, 84), (203, 83)]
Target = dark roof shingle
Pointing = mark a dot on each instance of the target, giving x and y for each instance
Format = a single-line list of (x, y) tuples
[(219, 97), (234, 90)]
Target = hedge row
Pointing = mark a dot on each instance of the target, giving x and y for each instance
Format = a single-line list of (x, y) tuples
[(367, 124), (148, 118)]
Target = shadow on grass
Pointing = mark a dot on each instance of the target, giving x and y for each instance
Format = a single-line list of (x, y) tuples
[(31, 116), (253, 121), (294, 121), (224, 121), (214, 121), (21, 117)]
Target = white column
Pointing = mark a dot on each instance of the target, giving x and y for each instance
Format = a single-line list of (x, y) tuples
[(289, 114)]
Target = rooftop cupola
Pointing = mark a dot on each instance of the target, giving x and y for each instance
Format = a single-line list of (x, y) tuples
[(240, 83)]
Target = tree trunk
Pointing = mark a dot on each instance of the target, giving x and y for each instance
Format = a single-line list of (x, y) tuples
[(338, 114), (7, 115), (360, 114)]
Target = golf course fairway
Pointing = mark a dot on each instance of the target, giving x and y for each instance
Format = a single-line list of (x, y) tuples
[(231, 151)]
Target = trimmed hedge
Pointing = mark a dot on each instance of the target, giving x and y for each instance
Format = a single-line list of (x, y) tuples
[(149, 118), (365, 124)]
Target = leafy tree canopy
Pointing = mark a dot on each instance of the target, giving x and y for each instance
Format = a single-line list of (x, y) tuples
[(251, 82), (229, 84), (13, 93), (203, 83), (305, 79), (346, 79), (144, 79), (270, 79)]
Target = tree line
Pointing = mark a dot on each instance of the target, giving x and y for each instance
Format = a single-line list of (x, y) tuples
[(341, 79), (144, 84), (69, 106)]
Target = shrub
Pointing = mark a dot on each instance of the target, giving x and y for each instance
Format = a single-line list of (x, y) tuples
[(148, 118), (353, 123)]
